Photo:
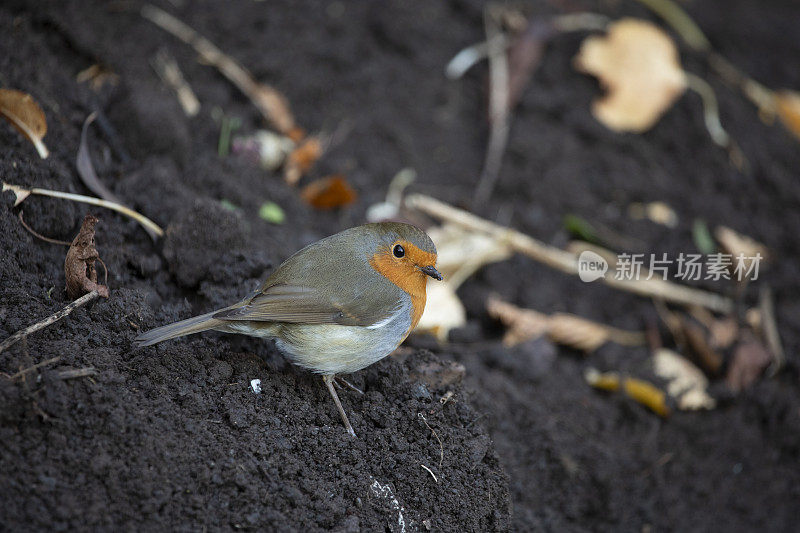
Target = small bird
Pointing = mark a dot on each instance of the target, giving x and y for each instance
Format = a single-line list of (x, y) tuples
[(336, 306)]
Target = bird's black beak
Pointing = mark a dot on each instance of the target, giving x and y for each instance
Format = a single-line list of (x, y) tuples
[(432, 272)]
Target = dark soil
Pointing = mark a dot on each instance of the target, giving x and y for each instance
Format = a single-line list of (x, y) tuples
[(174, 438)]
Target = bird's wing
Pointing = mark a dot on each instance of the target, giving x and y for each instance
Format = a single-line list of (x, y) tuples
[(305, 305)]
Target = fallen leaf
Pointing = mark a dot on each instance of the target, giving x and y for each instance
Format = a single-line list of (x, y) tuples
[(723, 333), (22, 112), (639, 390), (79, 268), (521, 324), (706, 355), (228, 205), (638, 64), (702, 237), (788, 107), (301, 159), (272, 213), (745, 250), (686, 383), (524, 56), (750, 358), (563, 328), (658, 212), (97, 76), (85, 167), (329, 193), (443, 311)]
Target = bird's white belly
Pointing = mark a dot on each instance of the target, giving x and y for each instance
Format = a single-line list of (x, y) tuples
[(335, 349)]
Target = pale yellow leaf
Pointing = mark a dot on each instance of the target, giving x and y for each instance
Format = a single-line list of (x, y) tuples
[(22, 111), (638, 64)]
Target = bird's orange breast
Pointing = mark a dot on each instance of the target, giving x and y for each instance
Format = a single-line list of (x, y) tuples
[(405, 275)]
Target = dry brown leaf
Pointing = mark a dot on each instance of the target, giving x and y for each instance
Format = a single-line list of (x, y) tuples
[(301, 159), (22, 112), (724, 332), (698, 341), (521, 324), (639, 390), (79, 268), (737, 245), (577, 332), (97, 76), (686, 383), (443, 310), (658, 212), (563, 328), (788, 107), (638, 64), (329, 192), (750, 358)]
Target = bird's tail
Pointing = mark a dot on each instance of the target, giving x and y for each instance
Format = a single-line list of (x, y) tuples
[(179, 329)]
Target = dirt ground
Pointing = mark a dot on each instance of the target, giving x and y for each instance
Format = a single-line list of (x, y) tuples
[(174, 438)]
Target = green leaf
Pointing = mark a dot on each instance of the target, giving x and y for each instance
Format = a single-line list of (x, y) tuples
[(272, 213), (227, 204), (702, 237), (580, 228)]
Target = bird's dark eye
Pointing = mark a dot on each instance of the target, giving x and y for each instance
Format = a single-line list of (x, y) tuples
[(399, 251)]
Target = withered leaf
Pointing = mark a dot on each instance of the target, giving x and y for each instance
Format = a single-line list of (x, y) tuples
[(707, 357), (750, 358), (22, 112), (639, 390), (686, 382), (563, 328), (79, 266), (85, 167), (788, 107), (301, 159), (443, 310), (638, 63), (329, 193)]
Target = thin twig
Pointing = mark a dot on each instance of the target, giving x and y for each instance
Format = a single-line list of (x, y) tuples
[(34, 367), (22, 193), (39, 235), (430, 472), (77, 373), (770, 329), (55, 317), (711, 119), (441, 446), (170, 73), (566, 261), (268, 100), (498, 106), (680, 21)]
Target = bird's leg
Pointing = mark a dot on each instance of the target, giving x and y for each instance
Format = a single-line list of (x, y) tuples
[(329, 383), (340, 380)]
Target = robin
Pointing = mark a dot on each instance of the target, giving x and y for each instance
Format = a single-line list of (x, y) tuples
[(336, 306)]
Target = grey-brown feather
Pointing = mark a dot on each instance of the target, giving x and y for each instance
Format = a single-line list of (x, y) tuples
[(338, 288)]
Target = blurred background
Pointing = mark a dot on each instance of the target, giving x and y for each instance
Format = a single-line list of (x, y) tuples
[(521, 135)]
